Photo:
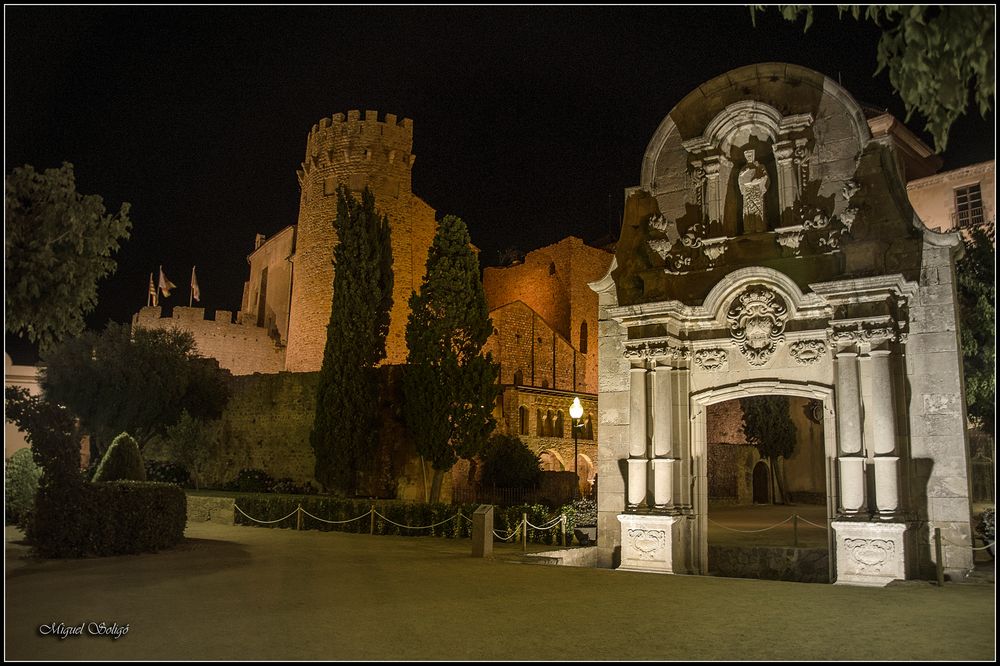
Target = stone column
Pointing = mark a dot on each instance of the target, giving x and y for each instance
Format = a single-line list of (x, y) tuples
[(637, 469), (882, 412), (787, 179), (663, 486), (851, 458), (713, 190)]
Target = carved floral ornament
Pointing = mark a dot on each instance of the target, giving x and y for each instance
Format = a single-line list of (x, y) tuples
[(654, 349), (647, 543), (870, 555), (757, 323), (808, 352), (872, 332), (712, 360)]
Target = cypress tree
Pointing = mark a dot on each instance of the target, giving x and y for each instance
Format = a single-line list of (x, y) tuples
[(768, 425), (449, 387), (345, 431)]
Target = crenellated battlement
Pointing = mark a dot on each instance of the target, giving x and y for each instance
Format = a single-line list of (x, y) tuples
[(343, 138)]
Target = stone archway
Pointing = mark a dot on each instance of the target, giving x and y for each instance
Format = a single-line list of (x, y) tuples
[(842, 296), (699, 448)]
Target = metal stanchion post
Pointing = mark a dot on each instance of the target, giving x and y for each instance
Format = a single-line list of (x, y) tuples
[(937, 553), (795, 530), (371, 528), (524, 532), (563, 523), (298, 518)]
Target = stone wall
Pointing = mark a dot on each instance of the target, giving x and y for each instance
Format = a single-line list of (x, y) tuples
[(354, 152), (531, 353), (552, 281), (240, 348)]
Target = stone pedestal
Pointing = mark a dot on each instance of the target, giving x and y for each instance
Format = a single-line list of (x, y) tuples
[(870, 554), (655, 544)]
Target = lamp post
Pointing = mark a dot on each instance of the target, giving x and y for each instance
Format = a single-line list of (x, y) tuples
[(576, 411)]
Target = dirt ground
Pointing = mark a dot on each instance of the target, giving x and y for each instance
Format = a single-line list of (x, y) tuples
[(261, 594)]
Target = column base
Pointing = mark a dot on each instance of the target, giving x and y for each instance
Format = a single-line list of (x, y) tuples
[(870, 554), (654, 543)]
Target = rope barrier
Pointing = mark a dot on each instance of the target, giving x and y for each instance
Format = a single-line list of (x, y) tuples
[(750, 531), (412, 527), (822, 527), (549, 526), (337, 522), (264, 522)]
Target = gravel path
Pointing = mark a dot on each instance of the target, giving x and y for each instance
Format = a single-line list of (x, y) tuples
[(261, 594)]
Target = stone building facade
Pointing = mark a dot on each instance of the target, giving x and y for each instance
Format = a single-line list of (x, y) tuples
[(770, 249), (957, 199), (545, 341)]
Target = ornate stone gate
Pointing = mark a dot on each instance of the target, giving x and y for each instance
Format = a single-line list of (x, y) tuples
[(770, 249)]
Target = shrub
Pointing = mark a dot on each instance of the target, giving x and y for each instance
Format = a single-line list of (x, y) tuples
[(21, 476), (288, 487), (167, 471), (507, 462), (251, 481), (121, 462), (134, 516)]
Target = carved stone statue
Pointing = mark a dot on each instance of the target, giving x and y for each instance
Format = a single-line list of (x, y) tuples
[(753, 184)]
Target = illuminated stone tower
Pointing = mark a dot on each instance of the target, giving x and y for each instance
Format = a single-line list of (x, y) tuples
[(354, 152)]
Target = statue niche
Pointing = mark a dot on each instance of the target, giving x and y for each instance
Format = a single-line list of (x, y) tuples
[(753, 183)]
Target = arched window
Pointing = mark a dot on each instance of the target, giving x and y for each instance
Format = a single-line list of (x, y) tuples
[(547, 425), (552, 268), (518, 378), (522, 414), (557, 430), (588, 428), (539, 423), (583, 337)]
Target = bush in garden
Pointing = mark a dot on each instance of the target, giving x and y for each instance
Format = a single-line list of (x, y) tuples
[(168, 471), (251, 481), (21, 476), (121, 462), (507, 462)]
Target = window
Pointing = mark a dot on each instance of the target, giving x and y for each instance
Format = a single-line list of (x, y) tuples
[(539, 423), (522, 413), (588, 428), (547, 424), (552, 268), (583, 337), (518, 378), (969, 206), (558, 428)]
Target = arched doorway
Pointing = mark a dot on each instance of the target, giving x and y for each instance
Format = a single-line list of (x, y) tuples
[(761, 483)]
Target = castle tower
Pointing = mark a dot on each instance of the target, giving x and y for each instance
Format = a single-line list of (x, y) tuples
[(354, 152)]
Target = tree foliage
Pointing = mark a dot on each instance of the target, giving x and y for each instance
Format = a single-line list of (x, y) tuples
[(133, 380), (55, 444), (345, 430), (58, 244), (976, 273), (20, 483), (449, 386), (121, 462), (507, 462), (934, 55), (192, 443), (768, 426)]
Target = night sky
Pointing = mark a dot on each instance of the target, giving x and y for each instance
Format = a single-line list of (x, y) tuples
[(528, 122)]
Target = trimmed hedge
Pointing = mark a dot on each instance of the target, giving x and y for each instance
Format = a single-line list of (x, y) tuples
[(21, 476), (167, 471), (121, 462), (273, 507), (117, 518)]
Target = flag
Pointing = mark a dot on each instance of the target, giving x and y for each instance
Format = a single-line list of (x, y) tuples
[(195, 292), (152, 292), (165, 284)]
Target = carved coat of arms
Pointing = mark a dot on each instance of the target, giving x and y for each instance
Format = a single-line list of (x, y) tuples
[(757, 323)]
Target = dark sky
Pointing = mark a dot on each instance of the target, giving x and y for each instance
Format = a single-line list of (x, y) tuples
[(528, 122)]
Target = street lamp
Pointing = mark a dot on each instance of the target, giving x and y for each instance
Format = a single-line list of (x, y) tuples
[(576, 411)]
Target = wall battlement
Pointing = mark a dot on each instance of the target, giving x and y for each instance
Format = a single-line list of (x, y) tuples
[(240, 348)]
